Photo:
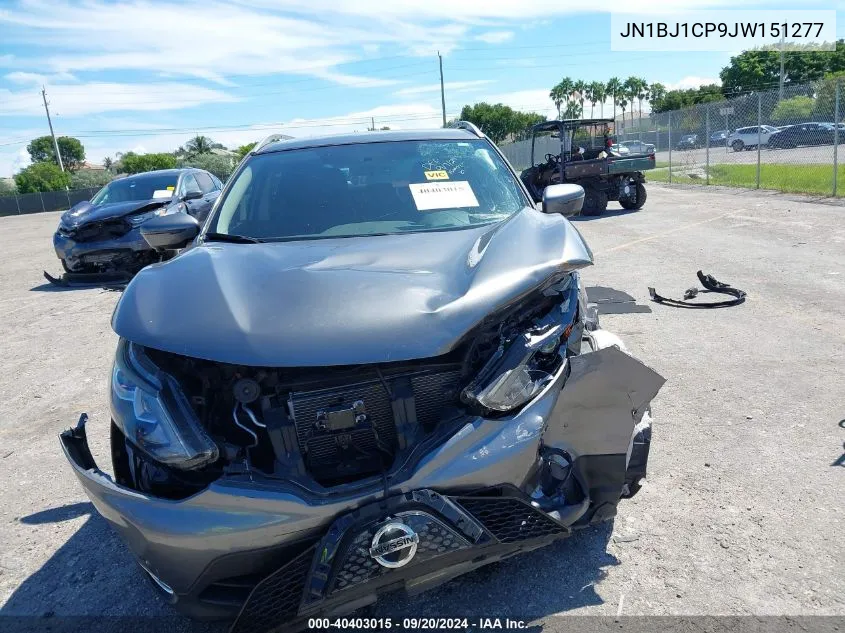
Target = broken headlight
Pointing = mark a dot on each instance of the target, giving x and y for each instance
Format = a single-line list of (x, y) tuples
[(153, 413), (523, 365)]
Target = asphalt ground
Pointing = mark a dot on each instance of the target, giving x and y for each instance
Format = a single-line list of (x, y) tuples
[(742, 513)]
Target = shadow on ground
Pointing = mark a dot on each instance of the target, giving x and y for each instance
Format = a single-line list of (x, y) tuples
[(92, 583), (612, 301), (604, 215)]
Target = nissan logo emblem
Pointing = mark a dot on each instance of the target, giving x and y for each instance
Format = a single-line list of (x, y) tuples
[(394, 545)]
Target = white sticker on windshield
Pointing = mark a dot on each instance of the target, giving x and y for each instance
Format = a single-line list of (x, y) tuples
[(443, 195), (162, 193)]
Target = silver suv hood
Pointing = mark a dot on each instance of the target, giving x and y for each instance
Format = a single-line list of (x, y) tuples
[(343, 301)]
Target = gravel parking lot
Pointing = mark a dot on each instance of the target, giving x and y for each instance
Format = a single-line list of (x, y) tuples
[(742, 510)]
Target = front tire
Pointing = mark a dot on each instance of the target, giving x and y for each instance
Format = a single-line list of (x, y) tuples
[(595, 201), (737, 146), (638, 201)]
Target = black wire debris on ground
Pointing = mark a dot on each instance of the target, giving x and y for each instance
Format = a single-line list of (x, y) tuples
[(711, 284)]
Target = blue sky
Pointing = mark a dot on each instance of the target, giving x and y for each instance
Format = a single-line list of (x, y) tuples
[(148, 75)]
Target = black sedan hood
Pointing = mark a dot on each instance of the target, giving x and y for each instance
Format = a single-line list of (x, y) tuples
[(85, 212), (343, 301)]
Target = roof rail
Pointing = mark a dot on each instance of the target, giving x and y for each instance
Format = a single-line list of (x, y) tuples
[(271, 139), (466, 125)]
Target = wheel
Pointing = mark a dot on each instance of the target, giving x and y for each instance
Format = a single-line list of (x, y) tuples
[(595, 201), (638, 201), (737, 145)]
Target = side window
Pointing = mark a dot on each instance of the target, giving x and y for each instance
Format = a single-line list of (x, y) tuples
[(217, 183), (189, 183), (205, 182)]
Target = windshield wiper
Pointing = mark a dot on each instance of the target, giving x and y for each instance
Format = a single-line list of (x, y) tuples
[(226, 237)]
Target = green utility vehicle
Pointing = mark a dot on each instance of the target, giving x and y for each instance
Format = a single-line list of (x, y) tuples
[(586, 156)]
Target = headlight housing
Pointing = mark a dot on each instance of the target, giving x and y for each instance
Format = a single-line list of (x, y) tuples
[(522, 366), (149, 407)]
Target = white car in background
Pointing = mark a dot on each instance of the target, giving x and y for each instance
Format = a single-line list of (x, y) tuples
[(638, 147), (748, 137)]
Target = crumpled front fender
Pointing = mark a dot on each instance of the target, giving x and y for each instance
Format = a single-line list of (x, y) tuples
[(605, 396)]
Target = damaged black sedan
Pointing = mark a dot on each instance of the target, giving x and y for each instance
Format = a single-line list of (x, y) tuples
[(100, 240), (374, 368)]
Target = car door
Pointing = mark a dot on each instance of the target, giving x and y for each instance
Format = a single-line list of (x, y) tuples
[(210, 192), (189, 185), (749, 135)]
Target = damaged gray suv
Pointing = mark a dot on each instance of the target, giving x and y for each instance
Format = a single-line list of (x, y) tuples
[(372, 368)]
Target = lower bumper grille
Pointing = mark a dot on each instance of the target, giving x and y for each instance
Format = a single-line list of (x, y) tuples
[(276, 598), (510, 519), (447, 532)]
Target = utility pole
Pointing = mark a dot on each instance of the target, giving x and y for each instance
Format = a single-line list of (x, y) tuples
[(50, 123), (373, 121), (780, 91), (442, 90)]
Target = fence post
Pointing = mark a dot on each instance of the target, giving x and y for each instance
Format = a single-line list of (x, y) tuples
[(670, 148), (41, 197), (759, 135), (707, 141), (836, 138), (17, 203)]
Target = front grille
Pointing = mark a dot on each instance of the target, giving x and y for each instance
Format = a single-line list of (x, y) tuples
[(433, 392), (276, 598), (510, 519), (325, 450), (97, 231)]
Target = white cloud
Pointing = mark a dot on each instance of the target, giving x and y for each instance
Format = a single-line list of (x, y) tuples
[(19, 77), (495, 37), (692, 81), (216, 40), (449, 86), (86, 98)]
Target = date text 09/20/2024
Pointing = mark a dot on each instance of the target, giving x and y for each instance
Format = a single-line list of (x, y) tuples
[(416, 623)]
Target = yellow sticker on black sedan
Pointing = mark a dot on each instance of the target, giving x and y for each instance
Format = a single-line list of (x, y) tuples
[(436, 175)]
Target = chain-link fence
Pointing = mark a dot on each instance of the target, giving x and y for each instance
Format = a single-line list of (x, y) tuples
[(786, 141), (45, 201)]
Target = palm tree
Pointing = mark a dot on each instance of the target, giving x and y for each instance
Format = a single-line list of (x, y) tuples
[(596, 94), (642, 95), (623, 103), (557, 98), (107, 163), (573, 110), (656, 92), (561, 92), (201, 145), (631, 88), (614, 89), (579, 88)]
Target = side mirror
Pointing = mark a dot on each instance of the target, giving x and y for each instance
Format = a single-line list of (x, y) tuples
[(170, 232), (564, 199), (193, 195)]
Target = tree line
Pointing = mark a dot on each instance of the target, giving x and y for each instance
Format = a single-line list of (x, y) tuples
[(44, 174), (747, 73)]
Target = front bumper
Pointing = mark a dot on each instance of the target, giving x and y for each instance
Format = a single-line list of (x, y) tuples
[(77, 255), (211, 549)]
